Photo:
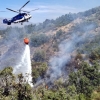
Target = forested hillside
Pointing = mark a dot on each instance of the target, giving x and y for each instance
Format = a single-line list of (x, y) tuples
[(65, 56)]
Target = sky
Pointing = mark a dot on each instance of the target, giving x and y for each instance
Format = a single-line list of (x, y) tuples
[(48, 9)]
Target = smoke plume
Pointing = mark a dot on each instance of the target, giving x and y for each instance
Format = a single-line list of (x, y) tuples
[(66, 48)]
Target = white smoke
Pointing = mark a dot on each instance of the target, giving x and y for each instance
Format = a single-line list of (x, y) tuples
[(12, 46), (66, 47)]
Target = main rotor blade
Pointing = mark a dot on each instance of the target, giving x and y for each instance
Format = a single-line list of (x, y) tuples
[(29, 11), (12, 10), (24, 5), (34, 9)]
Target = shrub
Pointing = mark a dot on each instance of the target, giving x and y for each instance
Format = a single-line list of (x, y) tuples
[(38, 40), (39, 56)]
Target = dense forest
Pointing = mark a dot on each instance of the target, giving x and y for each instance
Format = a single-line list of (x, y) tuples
[(72, 41)]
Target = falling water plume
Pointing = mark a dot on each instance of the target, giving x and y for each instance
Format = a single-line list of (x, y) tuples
[(24, 65)]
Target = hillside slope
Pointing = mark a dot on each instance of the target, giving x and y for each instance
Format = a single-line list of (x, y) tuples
[(65, 59)]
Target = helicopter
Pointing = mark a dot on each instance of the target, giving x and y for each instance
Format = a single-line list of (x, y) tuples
[(22, 16)]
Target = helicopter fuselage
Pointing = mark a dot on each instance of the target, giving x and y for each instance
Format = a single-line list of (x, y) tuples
[(21, 17)]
